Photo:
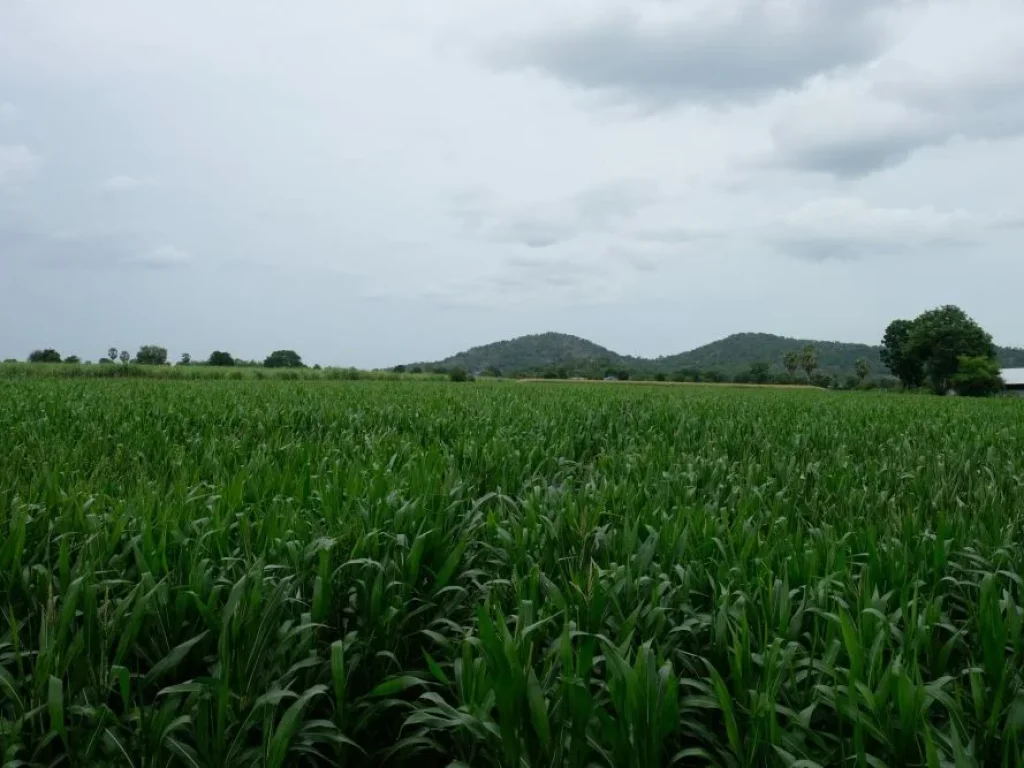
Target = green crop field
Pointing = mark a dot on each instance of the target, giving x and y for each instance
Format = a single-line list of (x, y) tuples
[(240, 573)]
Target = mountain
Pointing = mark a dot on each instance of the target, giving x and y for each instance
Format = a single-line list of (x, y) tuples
[(534, 353), (573, 356)]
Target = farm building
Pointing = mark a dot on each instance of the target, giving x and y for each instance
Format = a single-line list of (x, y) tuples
[(1014, 380)]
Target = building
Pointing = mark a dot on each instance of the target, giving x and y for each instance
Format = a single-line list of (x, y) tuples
[(1014, 380)]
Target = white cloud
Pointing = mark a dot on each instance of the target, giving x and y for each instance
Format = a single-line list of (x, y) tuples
[(696, 168), (848, 227), (16, 161), (123, 183)]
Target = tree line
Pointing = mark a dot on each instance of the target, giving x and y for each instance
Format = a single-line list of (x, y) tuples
[(152, 354)]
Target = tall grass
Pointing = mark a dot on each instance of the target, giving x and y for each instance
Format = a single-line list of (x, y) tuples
[(319, 573)]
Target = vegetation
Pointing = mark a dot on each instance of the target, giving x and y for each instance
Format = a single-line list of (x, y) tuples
[(977, 377), (311, 573), (283, 358), (151, 354), (535, 355), (44, 356), (931, 348), (220, 359)]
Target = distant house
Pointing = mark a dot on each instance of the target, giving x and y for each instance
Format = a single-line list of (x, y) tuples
[(1014, 380)]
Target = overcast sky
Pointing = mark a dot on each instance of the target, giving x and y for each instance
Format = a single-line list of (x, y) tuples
[(378, 182)]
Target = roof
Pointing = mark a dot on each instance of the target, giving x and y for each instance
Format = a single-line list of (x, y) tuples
[(1013, 377)]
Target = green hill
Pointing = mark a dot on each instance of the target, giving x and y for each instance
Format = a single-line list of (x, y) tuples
[(573, 356), (534, 353)]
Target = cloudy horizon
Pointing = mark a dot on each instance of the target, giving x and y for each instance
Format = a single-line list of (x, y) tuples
[(377, 184)]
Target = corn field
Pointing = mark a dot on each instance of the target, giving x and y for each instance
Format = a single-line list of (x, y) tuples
[(279, 573)]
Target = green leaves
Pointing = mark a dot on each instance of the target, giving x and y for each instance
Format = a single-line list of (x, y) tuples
[(372, 573)]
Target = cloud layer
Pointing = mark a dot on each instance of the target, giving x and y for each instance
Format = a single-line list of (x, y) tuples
[(384, 182)]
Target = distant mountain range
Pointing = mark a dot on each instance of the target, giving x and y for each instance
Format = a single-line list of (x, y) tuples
[(547, 352)]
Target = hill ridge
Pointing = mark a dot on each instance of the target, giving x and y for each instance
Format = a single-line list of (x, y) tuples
[(575, 355)]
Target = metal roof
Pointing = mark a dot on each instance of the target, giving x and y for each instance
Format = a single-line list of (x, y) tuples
[(1013, 376)]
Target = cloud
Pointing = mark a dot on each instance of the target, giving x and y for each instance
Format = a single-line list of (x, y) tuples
[(718, 52), (124, 183), (9, 112), (850, 228), (164, 257), (599, 208), (957, 71), (16, 161)]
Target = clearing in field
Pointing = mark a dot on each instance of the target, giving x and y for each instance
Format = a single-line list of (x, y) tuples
[(283, 573)]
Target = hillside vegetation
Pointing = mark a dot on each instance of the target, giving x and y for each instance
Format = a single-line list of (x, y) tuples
[(542, 352)]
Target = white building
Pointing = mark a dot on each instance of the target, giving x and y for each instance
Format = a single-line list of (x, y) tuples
[(1014, 380)]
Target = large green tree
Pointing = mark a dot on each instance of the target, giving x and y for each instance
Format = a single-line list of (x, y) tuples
[(897, 357), (221, 359), (283, 358), (44, 356), (939, 338), (151, 354)]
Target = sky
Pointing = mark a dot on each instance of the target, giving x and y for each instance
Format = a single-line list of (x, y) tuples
[(378, 183)]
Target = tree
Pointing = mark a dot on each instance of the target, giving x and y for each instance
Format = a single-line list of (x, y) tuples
[(940, 337), (399, 369), (862, 368), (112, 354), (186, 359), (220, 359), (73, 359), (809, 360), (791, 360), (659, 376), (151, 354), (283, 358), (759, 372), (897, 357), (44, 356), (977, 377), (458, 374), (125, 356)]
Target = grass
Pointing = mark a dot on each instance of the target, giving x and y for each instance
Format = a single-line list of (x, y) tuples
[(238, 573)]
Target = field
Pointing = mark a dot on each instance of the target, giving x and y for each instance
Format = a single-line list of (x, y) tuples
[(314, 573)]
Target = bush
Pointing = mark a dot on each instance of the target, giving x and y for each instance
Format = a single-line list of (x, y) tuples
[(458, 374), (977, 377)]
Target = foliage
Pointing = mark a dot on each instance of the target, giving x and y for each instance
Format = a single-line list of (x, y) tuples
[(73, 359), (791, 362), (220, 359), (759, 372), (125, 356), (862, 369), (458, 374), (186, 359), (977, 377), (44, 356), (940, 337), (897, 357), (151, 354), (112, 354), (533, 355), (809, 360), (383, 574), (283, 358)]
